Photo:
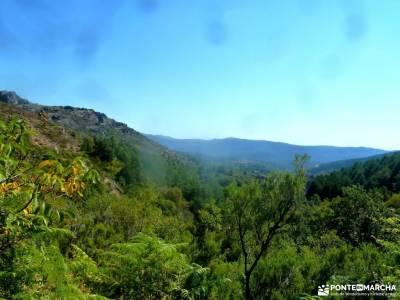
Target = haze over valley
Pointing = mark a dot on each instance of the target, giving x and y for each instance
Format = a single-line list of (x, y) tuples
[(199, 150)]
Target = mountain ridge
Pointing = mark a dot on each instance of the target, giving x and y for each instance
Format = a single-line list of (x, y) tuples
[(154, 159), (279, 154), (258, 140), (275, 155)]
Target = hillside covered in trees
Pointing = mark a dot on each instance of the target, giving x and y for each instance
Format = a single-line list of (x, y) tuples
[(91, 209), (273, 155), (381, 173)]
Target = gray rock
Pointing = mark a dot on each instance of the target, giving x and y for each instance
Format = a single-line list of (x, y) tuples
[(12, 98)]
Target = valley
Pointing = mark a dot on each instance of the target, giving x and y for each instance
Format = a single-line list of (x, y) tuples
[(122, 215)]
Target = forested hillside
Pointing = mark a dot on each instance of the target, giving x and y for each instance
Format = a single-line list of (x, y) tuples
[(380, 173), (273, 155), (153, 160), (341, 164), (85, 215)]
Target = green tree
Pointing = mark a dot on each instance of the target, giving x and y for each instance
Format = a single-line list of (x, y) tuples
[(149, 268), (286, 272), (358, 215), (259, 210), (31, 235), (391, 243)]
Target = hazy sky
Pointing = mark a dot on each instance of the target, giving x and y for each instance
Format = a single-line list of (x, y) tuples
[(304, 71)]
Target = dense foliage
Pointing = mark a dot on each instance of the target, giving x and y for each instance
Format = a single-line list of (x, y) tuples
[(382, 173), (93, 225)]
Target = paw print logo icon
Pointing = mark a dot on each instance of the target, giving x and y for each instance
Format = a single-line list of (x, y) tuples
[(323, 290)]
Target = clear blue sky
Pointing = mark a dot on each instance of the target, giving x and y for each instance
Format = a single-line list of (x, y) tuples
[(305, 72)]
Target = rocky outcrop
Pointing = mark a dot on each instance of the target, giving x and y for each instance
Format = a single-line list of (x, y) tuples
[(12, 98), (62, 127), (68, 116)]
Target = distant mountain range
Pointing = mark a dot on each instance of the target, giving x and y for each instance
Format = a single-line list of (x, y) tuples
[(157, 152), (274, 154)]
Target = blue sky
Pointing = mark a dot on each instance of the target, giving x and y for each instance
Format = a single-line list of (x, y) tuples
[(301, 71)]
